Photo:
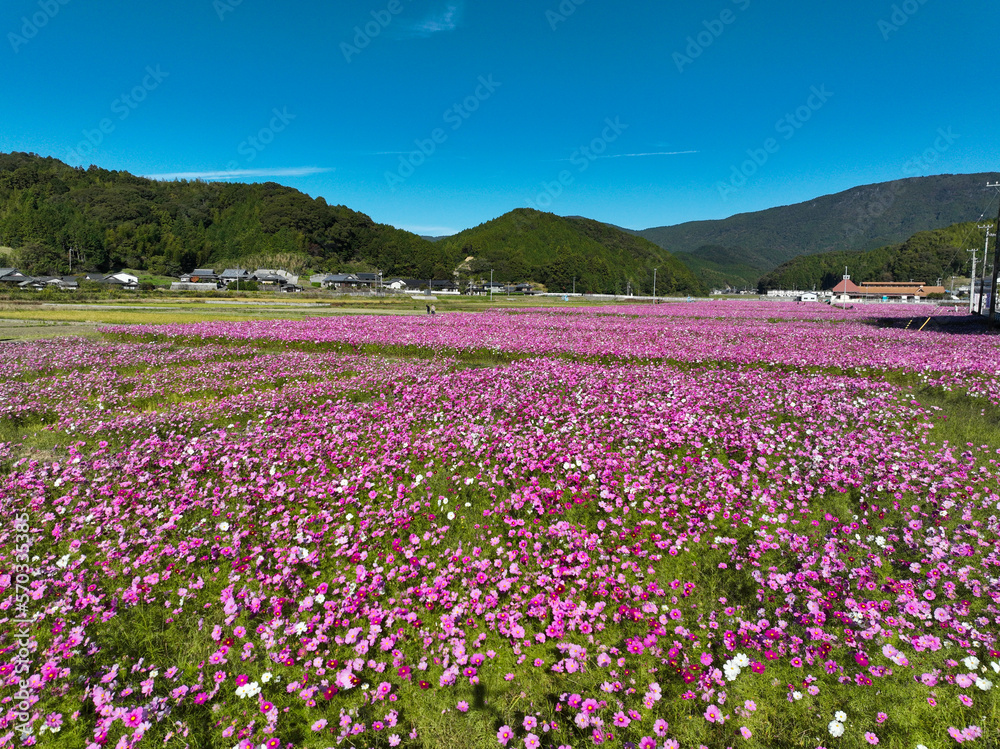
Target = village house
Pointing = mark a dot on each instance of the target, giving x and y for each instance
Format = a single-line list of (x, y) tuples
[(232, 276), (12, 277), (898, 290)]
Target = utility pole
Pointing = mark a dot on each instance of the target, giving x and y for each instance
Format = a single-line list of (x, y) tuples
[(986, 258), (654, 285), (574, 285), (491, 284), (972, 283), (996, 267)]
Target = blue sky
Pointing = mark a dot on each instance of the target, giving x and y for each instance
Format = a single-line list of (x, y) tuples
[(438, 115)]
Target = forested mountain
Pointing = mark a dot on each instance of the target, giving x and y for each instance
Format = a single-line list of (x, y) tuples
[(925, 257), (719, 267), (862, 218), (115, 219), (553, 250)]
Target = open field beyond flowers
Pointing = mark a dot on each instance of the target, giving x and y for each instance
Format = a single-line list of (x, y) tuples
[(710, 524)]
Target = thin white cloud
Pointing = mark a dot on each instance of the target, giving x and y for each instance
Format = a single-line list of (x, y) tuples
[(294, 171), (637, 155), (447, 19)]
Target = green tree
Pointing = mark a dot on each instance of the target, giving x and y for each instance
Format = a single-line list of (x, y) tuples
[(40, 260)]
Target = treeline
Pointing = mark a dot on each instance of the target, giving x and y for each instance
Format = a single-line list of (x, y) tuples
[(924, 257), (114, 219)]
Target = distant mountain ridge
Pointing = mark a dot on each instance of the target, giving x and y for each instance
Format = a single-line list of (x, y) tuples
[(862, 218)]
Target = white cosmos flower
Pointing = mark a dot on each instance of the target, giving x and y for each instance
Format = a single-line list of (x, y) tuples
[(840, 716), (248, 690), (836, 729)]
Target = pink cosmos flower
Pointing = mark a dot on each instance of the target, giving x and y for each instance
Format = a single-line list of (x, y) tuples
[(714, 715)]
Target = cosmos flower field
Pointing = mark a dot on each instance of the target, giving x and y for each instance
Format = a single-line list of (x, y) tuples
[(694, 525)]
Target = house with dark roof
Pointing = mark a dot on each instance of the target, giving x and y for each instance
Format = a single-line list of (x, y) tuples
[(269, 278), (342, 281), (234, 275), (200, 275), (12, 277)]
